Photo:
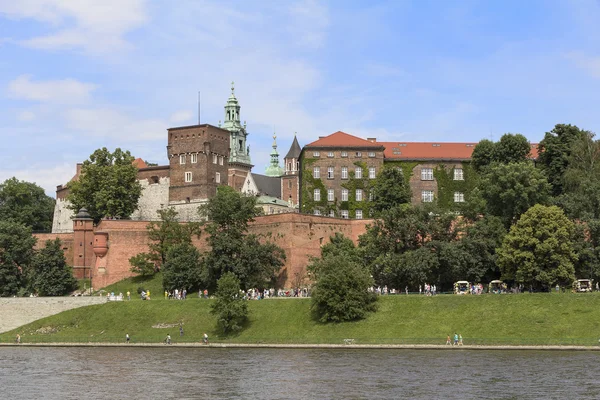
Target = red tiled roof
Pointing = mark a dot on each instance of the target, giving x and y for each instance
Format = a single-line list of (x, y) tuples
[(342, 139), (139, 163), (434, 150)]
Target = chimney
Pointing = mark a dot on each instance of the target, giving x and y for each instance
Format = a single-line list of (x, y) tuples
[(321, 137), (372, 139), (79, 165)]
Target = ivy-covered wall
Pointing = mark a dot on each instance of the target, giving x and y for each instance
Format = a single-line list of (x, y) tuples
[(447, 185), (354, 183)]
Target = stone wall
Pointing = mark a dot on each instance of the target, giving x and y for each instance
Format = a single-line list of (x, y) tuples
[(61, 222), (155, 195), (18, 311)]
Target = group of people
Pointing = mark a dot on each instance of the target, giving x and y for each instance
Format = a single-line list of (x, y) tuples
[(176, 294), (457, 340)]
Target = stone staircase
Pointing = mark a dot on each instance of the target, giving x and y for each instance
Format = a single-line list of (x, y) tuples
[(18, 311)]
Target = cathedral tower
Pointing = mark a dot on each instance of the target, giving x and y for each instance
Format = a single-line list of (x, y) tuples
[(274, 169), (290, 182), (239, 153)]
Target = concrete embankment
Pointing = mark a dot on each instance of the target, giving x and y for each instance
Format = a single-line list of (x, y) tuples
[(308, 346), (18, 311)]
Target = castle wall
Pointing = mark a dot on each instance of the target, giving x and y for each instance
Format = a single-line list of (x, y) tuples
[(300, 236), (65, 238), (61, 222), (155, 195)]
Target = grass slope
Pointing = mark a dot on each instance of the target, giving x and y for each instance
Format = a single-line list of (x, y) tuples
[(488, 319)]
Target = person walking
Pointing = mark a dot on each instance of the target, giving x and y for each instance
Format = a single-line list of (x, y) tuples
[(455, 339), (128, 295), (460, 343), (127, 338), (205, 338), (180, 330), (448, 342)]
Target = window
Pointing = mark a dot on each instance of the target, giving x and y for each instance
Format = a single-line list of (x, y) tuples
[(330, 194), (427, 196), (194, 157), (426, 174), (458, 174), (459, 197), (358, 173), (358, 154), (358, 214), (344, 214), (344, 154), (344, 172), (371, 172), (316, 154), (317, 212), (215, 159), (329, 172), (316, 172), (332, 213), (182, 159), (330, 154), (317, 195), (188, 176), (372, 154), (217, 177), (371, 196), (221, 160), (344, 194), (359, 193)]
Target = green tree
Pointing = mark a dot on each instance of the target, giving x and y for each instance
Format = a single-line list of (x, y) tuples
[(230, 309), (483, 154), (341, 291), (26, 203), (555, 152), (390, 190), (51, 276), (511, 189), (183, 267), (16, 252), (163, 235), (511, 148), (253, 259), (107, 185), (538, 251)]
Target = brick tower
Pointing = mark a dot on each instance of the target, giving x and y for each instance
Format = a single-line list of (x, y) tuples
[(290, 181)]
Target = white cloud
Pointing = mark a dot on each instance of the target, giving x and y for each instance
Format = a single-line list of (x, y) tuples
[(590, 64), (26, 115), (45, 176), (181, 116), (65, 91), (110, 123), (95, 26)]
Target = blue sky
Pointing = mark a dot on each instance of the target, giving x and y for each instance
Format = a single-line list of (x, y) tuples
[(79, 75)]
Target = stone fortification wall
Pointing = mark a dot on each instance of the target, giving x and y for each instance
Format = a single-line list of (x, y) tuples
[(300, 236), (61, 222), (66, 240), (18, 311), (155, 195)]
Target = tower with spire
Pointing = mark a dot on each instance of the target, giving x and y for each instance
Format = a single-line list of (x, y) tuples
[(290, 181), (274, 169), (239, 153)]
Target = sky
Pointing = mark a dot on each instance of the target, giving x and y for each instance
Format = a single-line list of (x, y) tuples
[(76, 76)]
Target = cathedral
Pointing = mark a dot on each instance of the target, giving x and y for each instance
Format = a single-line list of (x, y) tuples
[(200, 158)]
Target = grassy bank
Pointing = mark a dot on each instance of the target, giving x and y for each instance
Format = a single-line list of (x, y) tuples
[(525, 319)]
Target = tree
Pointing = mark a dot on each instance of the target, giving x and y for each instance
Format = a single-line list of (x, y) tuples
[(107, 185), (390, 189), (253, 259), (341, 291), (511, 189), (229, 307), (183, 267), (483, 154), (538, 251), (163, 235), (26, 203), (16, 251), (51, 276), (555, 151), (511, 148)]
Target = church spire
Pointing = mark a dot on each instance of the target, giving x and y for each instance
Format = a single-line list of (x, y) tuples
[(240, 152), (274, 169)]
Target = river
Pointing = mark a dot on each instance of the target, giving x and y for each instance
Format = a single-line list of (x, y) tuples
[(195, 373)]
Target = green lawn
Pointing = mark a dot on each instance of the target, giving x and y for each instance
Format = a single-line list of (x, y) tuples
[(487, 319)]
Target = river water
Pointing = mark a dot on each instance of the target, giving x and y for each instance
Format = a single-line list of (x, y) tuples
[(200, 373)]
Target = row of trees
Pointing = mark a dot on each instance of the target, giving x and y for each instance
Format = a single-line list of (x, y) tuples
[(530, 222)]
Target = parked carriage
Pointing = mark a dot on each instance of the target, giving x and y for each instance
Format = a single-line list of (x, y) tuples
[(462, 287), (583, 285), (496, 287)]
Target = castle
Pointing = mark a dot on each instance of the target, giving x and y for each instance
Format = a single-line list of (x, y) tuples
[(322, 189)]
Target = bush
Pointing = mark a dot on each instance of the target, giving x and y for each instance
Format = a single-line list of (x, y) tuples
[(229, 307), (341, 292)]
